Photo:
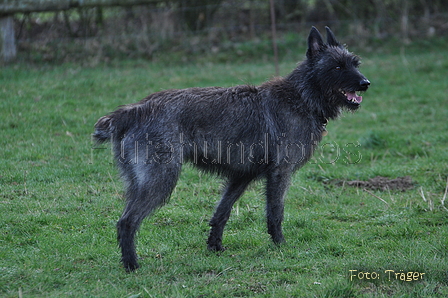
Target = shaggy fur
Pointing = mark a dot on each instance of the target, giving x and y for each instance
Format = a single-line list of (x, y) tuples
[(241, 133)]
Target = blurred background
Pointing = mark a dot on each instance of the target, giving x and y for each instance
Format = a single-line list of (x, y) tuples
[(100, 30)]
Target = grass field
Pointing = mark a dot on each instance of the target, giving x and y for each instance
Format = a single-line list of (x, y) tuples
[(60, 198)]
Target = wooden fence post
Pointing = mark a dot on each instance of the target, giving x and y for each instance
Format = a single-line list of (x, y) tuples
[(274, 36), (7, 38)]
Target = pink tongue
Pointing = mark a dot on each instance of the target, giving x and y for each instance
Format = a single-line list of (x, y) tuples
[(352, 95)]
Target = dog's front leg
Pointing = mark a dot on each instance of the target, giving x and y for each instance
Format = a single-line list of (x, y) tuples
[(233, 191), (276, 188)]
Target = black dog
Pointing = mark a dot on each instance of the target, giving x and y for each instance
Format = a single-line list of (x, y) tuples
[(242, 133)]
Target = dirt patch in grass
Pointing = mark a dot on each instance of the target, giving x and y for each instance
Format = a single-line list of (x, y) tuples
[(381, 183)]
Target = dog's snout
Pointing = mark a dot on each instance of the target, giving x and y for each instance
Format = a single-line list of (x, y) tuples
[(364, 83)]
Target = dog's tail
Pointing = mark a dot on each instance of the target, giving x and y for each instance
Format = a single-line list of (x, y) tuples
[(104, 129), (116, 124)]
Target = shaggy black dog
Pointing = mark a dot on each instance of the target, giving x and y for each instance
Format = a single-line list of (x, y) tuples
[(241, 133)]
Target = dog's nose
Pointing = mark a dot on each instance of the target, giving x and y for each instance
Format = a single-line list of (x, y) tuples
[(364, 83)]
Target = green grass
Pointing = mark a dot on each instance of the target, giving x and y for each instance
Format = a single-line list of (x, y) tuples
[(60, 199)]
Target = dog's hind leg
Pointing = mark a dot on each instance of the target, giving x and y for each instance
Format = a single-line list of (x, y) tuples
[(233, 190), (149, 188), (276, 187)]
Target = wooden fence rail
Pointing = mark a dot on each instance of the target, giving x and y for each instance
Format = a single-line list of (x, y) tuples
[(14, 6)]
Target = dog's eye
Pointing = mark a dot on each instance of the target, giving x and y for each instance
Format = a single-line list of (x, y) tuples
[(338, 68)]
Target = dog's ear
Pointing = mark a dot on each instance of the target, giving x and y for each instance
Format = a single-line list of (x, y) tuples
[(331, 39), (315, 43)]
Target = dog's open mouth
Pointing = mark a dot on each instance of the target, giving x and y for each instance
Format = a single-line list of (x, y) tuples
[(352, 97)]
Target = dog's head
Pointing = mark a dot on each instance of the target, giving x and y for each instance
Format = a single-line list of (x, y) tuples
[(336, 69)]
